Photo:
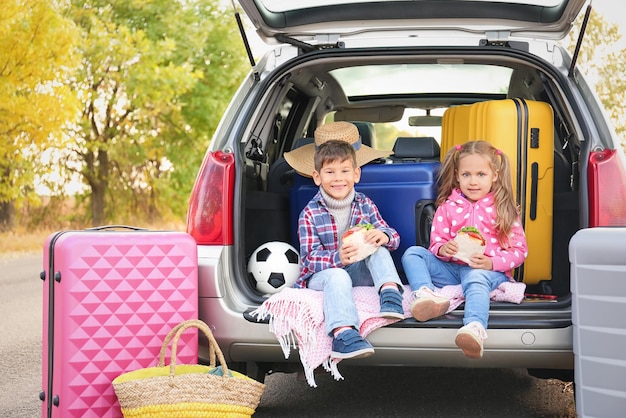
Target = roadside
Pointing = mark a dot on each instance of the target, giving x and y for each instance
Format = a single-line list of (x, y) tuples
[(21, 241)]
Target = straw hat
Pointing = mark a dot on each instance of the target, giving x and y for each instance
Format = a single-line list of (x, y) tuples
[(301, 159)]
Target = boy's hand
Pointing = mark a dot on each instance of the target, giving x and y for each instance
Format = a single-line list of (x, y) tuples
[(359, 242), (348, 253), (376, 237)]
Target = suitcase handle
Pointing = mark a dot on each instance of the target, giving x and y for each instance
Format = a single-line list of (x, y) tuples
[(109, 227), (424, 212), (534, 180)]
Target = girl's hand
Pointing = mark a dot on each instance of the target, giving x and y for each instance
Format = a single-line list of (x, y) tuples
[(376, 237), (449, 249), (481, 261)]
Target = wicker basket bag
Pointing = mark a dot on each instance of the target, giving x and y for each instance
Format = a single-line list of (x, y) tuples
[(187, 390)]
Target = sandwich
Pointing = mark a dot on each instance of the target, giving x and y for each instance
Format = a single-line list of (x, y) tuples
[(470, 241), (356, 236)]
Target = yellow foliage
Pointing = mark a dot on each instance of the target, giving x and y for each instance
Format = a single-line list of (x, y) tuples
[(37, 54)]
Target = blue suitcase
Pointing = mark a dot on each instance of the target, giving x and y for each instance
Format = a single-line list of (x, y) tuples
[(395, 188)]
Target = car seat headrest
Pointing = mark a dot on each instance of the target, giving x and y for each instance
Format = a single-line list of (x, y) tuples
[(367, 132), (298, 142), (416, 147)]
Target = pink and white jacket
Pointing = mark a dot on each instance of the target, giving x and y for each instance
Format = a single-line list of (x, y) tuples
[(458, 212)]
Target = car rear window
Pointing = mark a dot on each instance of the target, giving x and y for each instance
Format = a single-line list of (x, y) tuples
[(369, 80)]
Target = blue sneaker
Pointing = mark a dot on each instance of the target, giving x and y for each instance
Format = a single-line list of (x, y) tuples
[(391, 304), (349, 344)]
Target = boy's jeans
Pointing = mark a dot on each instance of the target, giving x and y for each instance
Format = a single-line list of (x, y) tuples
[(337, 283), (422, 268)]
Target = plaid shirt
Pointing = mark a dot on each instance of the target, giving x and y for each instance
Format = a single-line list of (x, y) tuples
[(317, 231)]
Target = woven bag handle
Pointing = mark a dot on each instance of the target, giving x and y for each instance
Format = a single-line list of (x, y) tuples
[(175, 334), (166, 342)]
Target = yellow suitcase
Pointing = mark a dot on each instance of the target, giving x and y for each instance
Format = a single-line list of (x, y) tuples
[(524, 131), (454, 127)]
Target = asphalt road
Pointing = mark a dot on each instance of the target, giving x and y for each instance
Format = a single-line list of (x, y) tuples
[(20, 336), (364, 392)]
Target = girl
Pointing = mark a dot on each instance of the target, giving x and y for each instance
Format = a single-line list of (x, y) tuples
[(474, 190)]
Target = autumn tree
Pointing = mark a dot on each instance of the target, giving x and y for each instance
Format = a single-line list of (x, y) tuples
[(37, 54), (612, 90), (600, 60), (155, 78)]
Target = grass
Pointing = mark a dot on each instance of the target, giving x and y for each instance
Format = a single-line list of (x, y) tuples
[(22, 241)]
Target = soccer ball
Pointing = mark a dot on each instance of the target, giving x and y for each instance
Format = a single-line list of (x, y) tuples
[(273, 266)]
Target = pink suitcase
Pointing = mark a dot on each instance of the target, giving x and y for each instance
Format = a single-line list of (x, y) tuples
[(110, 297)]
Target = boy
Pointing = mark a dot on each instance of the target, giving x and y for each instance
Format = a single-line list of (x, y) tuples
[(334, 162)]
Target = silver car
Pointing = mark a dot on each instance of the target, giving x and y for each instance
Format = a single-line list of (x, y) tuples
[(396, 69)]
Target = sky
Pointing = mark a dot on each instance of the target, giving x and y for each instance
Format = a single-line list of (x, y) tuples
[(612, 12), (610, 9)]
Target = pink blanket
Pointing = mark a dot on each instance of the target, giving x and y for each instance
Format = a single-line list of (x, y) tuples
[(296, 317)]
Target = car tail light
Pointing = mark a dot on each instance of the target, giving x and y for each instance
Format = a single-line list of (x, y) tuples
[(210, 214), (607, 189)]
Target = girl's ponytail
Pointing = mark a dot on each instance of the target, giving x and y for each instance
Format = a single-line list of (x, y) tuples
[(506, 207), (446, 179)]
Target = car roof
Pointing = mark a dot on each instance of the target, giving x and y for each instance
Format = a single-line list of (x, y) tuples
[(304, 19)]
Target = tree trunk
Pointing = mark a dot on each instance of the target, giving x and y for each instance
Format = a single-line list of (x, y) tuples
[(97, 175), (7, 216), (97, 205)]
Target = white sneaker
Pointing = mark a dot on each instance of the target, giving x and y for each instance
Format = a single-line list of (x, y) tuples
[(428, 305), (470, 339)]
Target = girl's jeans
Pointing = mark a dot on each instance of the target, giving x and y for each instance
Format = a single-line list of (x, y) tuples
[(337, 283), (422, 268)]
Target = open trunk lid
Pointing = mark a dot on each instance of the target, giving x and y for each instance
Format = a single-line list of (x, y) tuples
[(305, 20)]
